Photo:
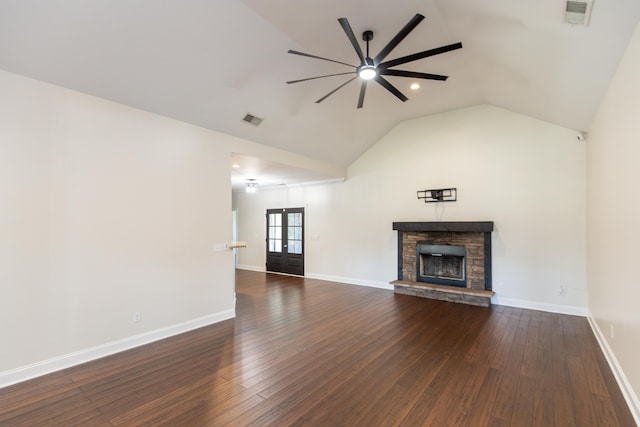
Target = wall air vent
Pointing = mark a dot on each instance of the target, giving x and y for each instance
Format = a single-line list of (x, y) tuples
[(250, 118), (577, 12)]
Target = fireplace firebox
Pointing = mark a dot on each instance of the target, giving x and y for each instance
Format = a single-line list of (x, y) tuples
[(441, 264)]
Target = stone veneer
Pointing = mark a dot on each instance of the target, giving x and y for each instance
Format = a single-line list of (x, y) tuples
[(474, 236), (473, 243)]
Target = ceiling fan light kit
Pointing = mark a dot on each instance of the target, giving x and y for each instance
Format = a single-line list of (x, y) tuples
[(367, 72), (376, 68)]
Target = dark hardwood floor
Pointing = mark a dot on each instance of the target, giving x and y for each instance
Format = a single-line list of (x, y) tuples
[(311, 353)]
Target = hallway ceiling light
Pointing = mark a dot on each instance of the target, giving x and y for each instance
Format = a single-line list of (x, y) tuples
[(252, 186)]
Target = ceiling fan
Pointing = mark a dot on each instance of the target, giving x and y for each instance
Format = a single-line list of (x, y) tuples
[(374, 69)]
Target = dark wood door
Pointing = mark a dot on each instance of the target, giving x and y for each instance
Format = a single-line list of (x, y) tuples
[(285, 240)]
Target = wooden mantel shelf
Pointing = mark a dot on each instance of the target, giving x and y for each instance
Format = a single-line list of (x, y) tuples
[(456, 226)]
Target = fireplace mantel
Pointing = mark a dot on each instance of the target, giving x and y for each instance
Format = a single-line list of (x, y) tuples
[(455, 226)]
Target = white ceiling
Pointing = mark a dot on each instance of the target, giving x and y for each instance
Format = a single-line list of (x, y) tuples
[(269, 174), (211, 62)]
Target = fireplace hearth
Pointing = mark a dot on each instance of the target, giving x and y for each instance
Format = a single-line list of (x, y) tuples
[(445, 260)]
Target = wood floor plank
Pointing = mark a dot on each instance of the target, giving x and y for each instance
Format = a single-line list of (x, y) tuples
[(544, 407), (562, 408), (615, 395), (523, 327), (582, 401), (481, 415), (414, 391), (53, 405), (306, 352), (524, 404), (505, 398), (559, 365), (448, 409), (19, 396)]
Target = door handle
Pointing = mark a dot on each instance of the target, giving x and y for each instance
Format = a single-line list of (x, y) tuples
[(284, 246)]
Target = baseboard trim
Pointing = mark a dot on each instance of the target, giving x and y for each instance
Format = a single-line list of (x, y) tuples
[(251, 268), (533, 305), (351, 281), (625, 387), (44, 367)]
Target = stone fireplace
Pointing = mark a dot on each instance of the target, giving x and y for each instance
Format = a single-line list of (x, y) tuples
[(449, 261)]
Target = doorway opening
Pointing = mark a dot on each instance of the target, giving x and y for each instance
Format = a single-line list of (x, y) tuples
[(285, 241)]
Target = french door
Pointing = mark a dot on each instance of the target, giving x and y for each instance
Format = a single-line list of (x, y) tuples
[(285, 241)]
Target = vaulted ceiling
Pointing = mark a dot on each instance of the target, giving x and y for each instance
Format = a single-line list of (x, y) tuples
[(211, 62)]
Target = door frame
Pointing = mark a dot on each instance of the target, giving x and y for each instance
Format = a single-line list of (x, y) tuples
[(283, 261)]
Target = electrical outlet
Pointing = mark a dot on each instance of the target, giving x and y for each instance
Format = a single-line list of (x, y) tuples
[(560, 290), (136, 316)]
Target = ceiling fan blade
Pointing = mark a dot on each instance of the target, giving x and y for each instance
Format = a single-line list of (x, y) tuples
[(398, 38), (352, 38), (363, 89), (420, 55), (413, 74), (318, 77), (295, 52), (335, 90), (391, 88)]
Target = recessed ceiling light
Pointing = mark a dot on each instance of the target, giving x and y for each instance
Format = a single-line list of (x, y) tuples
[(414, 86), (235, 165)]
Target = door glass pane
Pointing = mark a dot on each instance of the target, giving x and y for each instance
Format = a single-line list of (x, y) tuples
[(294, 220), (295, 247), (294, 233), (275, 232), (275, 245)]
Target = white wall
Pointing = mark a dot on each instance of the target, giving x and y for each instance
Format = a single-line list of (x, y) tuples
[(614, 227), (104, 210), (526, 175)]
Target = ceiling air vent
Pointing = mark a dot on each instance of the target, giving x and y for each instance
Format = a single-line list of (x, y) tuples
[(577, 12), (250, 118)]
